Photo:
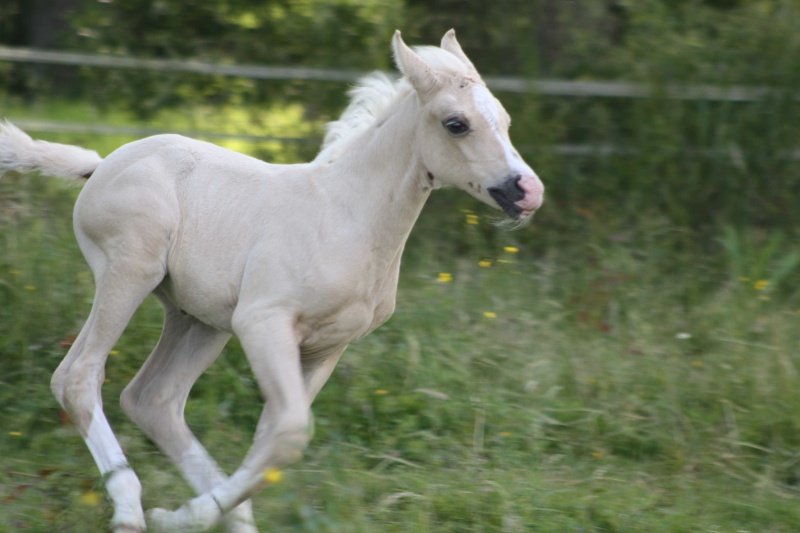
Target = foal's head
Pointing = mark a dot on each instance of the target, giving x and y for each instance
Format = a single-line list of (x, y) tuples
[(462, 135)]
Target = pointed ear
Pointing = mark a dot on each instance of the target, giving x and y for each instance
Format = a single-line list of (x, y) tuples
[(450, 44), (421, 76)]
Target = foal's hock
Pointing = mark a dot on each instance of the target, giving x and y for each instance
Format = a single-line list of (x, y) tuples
[(298, 261)]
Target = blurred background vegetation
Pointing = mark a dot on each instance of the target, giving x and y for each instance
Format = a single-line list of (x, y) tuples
[(700, 161), (628, 362)]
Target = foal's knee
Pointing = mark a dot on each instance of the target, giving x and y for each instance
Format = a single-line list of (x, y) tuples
[(290, 439), (66, 380), (74, 386), (135, 404), (152, 413), (57, 384)]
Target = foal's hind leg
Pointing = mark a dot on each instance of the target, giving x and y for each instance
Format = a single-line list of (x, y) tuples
[(77, 381), (283, 430), (156, 397)]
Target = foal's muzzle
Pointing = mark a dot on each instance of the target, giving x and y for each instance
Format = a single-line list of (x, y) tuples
[(519, 196), (507, 194)]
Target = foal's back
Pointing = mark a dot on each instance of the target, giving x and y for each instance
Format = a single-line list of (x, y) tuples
[(217, 226), (197, 209)]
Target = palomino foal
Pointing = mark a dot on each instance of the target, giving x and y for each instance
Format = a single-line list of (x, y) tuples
[(298, 261)]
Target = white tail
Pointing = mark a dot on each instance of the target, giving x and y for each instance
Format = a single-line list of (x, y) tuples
[(21, 153)]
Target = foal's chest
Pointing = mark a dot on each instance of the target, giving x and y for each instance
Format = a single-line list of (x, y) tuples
[(345, 311)]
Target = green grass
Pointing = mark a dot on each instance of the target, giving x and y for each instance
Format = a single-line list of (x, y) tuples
[(625, 379)]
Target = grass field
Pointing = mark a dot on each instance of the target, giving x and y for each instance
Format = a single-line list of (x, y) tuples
[(583, 374)]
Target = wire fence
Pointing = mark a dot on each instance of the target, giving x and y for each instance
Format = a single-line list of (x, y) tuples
[(558, 88), (600, 89)]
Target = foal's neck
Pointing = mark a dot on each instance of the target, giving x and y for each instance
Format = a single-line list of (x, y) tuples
[(380, 170)]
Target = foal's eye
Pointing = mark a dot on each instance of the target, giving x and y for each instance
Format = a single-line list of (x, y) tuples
[(456, 126)]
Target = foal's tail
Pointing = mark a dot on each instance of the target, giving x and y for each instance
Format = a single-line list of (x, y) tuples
[(21, 153)]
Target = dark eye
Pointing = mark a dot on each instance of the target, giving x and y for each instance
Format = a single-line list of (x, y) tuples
[(456, 126)]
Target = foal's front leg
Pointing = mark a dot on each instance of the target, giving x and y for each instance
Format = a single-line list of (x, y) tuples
[(283, 430)]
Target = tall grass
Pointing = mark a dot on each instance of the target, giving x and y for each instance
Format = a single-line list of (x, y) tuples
[(582, 374)]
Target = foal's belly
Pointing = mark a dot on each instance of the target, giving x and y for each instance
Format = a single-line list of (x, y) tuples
[(212, 307), (331, 301), (322, 325), (324, 334)]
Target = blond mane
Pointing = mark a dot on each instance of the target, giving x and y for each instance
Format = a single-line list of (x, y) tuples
[(375, 93)]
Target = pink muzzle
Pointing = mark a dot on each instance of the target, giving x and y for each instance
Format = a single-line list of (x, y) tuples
[(533, 188)]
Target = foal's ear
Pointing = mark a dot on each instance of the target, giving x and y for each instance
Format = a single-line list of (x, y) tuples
[(450, 44), (422, 77)]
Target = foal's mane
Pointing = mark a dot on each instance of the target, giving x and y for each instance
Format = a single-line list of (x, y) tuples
[(374, 94)]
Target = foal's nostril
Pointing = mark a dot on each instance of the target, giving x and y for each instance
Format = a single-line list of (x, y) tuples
[(510, 188), (515, 192), (506, 194)]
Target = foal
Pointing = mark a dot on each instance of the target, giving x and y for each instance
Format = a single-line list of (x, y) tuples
[(298, 261)]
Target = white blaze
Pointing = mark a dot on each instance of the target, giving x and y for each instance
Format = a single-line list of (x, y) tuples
[(487, 106)]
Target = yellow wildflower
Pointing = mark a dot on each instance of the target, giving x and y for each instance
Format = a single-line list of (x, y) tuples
[(472, 219), (15, 433), (761, 285), (273, 475), (90, 498), (511, 249), (381, 391), (444, 277), (489, 314), (485, 263)]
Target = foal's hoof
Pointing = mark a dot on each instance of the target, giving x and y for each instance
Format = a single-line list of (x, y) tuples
[(127, 529), (239, 521), (238, 526), (199, 514), (128, 523), (158, 520)]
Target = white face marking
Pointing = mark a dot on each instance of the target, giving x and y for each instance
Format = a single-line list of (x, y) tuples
[(488, 108), (485, 104)]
